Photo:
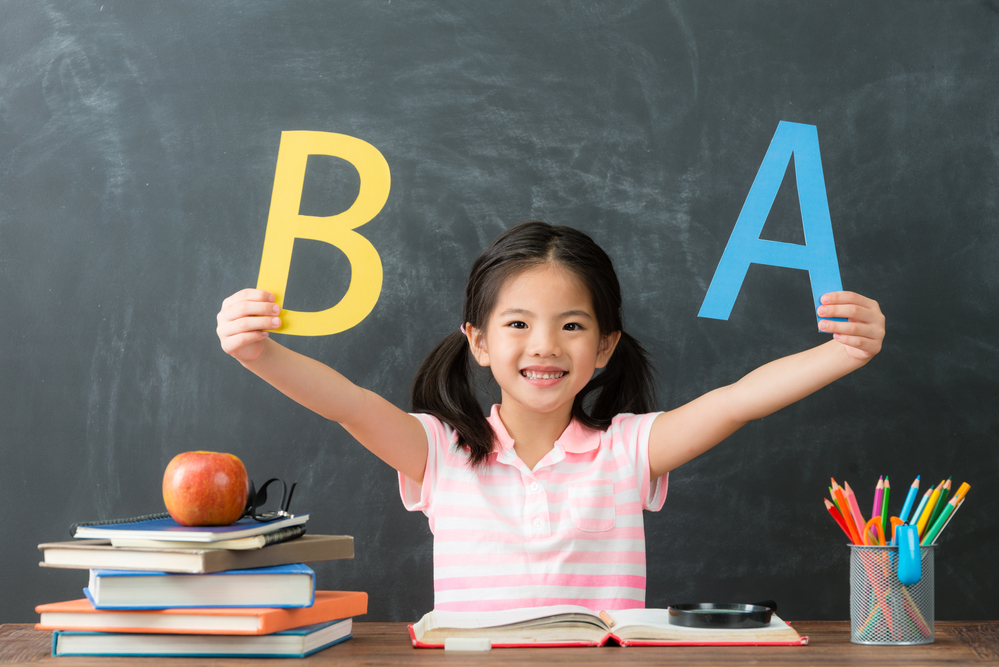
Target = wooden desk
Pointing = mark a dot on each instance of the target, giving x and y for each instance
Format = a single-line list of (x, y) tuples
[(378, 644)]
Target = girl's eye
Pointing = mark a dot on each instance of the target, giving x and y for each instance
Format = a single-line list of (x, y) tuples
[(572, 326), (517, 325)]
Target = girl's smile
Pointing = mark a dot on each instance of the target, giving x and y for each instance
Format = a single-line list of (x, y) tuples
[(544, 375)]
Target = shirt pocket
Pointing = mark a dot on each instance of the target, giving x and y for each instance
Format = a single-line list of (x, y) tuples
[(591, 504)]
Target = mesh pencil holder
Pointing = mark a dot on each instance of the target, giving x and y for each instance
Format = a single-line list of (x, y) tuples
[(882, 610)]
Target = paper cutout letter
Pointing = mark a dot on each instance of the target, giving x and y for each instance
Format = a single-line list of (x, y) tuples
[(745, 247), (285, 224)]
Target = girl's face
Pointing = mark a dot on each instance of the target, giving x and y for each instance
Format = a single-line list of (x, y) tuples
[(542, 341)]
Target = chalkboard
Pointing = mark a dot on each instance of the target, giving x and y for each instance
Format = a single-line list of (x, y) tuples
[(138, 145)]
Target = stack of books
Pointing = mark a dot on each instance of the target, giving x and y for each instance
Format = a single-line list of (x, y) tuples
[(160, 589)]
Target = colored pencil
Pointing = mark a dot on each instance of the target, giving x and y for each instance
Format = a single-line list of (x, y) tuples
[(910, 498), (924, 518), (832, 497), (847, 517), (838, 517), (879, 492), (851, 498), (962, 491), (844, 509), (941, 502), (949, 519), (884, 508), (919, 508), (941, 521)]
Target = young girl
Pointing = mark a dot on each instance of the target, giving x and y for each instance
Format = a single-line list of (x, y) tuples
[(541, 502)]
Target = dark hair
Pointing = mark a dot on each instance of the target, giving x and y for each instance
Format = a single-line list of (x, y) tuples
[(445, 387)]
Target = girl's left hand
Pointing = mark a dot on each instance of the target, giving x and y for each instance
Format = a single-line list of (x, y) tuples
[(863, 332)]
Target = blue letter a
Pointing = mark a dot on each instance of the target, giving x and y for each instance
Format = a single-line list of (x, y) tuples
[(745, 247)]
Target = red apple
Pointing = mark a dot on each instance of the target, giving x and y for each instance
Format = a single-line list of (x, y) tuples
[(205, 488)]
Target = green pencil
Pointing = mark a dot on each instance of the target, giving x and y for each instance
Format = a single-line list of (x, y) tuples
[(885, 523), (940, 503), (940, 522)]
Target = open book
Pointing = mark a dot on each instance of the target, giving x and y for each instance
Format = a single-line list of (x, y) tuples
[(568, 625)]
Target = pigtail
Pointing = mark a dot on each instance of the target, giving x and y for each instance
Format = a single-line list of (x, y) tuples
[(626, 384), (444, 388)]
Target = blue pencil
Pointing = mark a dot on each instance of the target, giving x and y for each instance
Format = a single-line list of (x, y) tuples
[(909, 499), (919, 508)]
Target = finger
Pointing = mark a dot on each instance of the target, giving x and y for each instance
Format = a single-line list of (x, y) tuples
[(851, 311), (866, 345), (240, 309), (233, 343), (844, 297), (249, 294), (851, 328), (247, 324)]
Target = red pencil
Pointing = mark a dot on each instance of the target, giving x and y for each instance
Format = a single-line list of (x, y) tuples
[(839, 518)]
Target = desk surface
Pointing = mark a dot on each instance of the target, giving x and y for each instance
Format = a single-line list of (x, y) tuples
[(377, 644)]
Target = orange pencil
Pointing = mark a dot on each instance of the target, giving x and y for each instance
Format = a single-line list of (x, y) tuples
[(847, 518), (858, 516), (962, 491)]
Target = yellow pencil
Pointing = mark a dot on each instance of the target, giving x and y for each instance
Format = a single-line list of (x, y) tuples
[(924, 518)]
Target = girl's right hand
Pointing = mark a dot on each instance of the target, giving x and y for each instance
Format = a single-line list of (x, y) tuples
[(244, 320)]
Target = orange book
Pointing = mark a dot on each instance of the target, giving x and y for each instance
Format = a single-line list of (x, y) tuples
[(80, 615)]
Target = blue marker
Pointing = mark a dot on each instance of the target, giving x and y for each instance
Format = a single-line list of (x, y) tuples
[(909, 499)]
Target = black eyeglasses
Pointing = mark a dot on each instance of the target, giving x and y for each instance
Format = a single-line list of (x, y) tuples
[(257, 501)]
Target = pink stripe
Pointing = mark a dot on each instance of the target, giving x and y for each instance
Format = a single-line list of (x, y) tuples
[(521, 580), (460, 535), (585, 557), (597, 604), (442, 511), (472, 512), (621, 487)]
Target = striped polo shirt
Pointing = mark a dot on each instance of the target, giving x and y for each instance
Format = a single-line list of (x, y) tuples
[(570, 531)]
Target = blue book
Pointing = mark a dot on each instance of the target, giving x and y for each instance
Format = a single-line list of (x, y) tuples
[(168, 529), (277, 586), (296, 643)]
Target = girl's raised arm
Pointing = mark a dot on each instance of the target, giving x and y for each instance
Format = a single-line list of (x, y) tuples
[(679, 435), (389, 433)]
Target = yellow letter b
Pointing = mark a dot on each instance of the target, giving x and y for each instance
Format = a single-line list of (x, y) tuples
[(285, 224)]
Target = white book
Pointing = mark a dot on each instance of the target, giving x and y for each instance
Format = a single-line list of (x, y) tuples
[(296, 643), (278, 586)]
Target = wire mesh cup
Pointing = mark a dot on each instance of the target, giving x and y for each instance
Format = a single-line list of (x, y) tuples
[(884, 611)]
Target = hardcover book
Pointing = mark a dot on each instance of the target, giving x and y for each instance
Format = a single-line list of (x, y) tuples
[(168, 529), (80, 615), (100, 554), (277, 586), (295, 643)]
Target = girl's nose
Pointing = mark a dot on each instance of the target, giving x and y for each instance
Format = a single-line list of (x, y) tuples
[(544, 343)]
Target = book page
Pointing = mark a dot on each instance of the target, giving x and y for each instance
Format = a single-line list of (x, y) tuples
[(489, 619), (654, 624)]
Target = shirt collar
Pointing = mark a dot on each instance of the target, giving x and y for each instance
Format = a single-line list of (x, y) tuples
[(575, 439)]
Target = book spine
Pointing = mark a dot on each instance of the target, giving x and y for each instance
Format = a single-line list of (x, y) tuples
[(284, 535)]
